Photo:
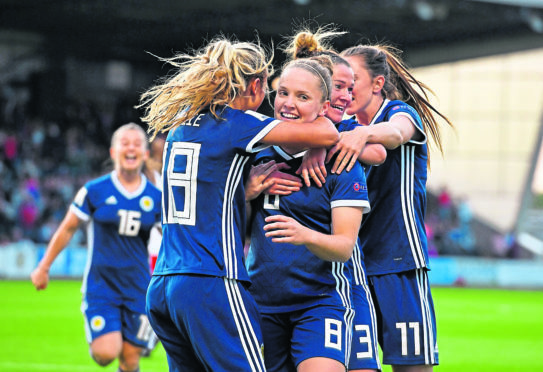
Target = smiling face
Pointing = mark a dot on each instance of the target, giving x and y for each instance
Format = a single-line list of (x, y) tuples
[(299, 96), (342, 82), (363, 91), (129, 150)]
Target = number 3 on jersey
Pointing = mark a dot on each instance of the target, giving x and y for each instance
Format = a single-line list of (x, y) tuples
[(181, 170)]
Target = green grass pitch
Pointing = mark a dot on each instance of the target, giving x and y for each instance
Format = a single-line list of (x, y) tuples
[(478, 330)]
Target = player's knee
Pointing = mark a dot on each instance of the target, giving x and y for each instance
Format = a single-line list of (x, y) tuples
[(129, 361), (101, 360), (129, 367), (106, 348), (103, 357)]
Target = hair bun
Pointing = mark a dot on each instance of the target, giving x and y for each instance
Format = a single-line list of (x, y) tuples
[(305, 45)]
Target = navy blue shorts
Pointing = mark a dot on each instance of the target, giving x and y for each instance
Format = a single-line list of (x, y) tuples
[(365, 350), (406, 318), (319, 331), (205, 323), (103, 315)]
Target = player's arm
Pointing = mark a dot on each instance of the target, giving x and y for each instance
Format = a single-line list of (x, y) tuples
[(60, 239), (320, 133), (391, 134), (373, 154), (313, 163), (337, 246)]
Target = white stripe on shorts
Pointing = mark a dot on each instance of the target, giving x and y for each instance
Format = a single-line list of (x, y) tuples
[(246, 332)]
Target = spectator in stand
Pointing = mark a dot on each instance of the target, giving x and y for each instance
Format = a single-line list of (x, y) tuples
[(445, 206)]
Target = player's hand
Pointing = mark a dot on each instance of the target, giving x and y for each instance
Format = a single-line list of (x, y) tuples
[(283, 183), (283, 229), (268, 178), (348, 148), (40, 278), (313, 167), (257, 181)]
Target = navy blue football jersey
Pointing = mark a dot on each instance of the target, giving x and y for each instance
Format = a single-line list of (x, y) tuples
[(206, 161), (119, 223), (392, 235), (287, 277)]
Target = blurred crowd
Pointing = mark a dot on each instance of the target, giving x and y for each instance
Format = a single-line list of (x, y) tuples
[(43, 164), (448, 225), (452, 229)]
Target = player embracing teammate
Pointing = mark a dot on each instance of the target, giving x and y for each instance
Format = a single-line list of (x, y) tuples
[(337, 261)]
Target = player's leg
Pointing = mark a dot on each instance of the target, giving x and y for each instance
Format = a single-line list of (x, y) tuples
[(106, 348), (102, 328), (277, 333), (221, 311), (407, 325), (321, 338), (129, 360), (364, 355), (170, 331), (320, 364), (216, 321), (137, 334)]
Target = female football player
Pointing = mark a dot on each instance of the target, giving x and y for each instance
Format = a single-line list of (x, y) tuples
[(300, 281), (198, 297), (119, 208)]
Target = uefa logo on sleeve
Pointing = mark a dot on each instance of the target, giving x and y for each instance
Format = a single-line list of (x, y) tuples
[(358, 187)]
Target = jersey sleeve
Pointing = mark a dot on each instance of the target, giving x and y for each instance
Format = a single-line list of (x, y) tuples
[(81, 204), (255, 127), (347, 125), (410, 113), (350, 190)]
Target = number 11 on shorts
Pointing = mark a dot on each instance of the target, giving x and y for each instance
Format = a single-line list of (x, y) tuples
[(416, 338)]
